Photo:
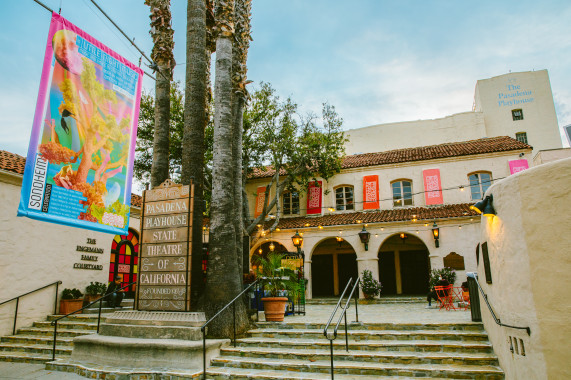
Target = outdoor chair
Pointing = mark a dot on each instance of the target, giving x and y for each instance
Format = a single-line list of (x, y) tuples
[(445, 296)]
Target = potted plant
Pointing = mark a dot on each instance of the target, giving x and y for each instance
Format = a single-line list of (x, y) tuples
[(447, 273), (370, 287), (94, 290), (278, 280), (71, 300)]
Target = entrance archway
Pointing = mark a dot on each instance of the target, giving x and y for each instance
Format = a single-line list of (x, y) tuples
[(404, 266), (125, 260), (332, 265)]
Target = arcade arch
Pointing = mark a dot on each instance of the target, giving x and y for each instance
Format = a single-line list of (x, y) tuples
[(333, 263)]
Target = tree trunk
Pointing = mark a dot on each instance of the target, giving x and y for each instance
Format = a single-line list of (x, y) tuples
[(195, 120), (162, 56)]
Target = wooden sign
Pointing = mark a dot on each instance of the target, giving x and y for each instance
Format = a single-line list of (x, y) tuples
[(166, 233), (454, 261)]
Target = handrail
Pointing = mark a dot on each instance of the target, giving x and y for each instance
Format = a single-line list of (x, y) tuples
[(343, 314), (55, 321), (17, 298), (203, 327), (496, 319)]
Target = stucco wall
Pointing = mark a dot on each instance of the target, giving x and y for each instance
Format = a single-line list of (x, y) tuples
[(545, 156), (34, 253), (528, 243)]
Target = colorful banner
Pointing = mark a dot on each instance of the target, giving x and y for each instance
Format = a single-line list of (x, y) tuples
[(517, 166), (314, 198), (370, 192), (260, 199), (80, 158), (432, 187)]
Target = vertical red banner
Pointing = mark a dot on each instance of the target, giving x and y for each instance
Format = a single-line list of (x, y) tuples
[(517, 166), (432, 187), (260, 199), (370, 192), (314, 198)]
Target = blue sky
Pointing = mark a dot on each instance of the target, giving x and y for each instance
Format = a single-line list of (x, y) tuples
[(377, 61)]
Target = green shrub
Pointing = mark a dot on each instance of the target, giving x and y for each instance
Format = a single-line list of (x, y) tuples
[(369, 285), (447, 273), (71, 294), (95, 288)]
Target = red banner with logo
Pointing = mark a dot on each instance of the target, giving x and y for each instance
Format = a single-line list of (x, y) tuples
[(517, 166), (432, 187), (260, 199), (314, 198), (370, 192)]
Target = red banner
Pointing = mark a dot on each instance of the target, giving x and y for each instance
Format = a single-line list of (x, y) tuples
[(370, 192), (314, 198), (432, 187), (260, 199)]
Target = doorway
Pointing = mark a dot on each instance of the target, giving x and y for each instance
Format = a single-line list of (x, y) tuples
[(333, 263)]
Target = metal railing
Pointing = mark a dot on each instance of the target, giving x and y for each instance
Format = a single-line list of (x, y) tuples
[(25, 294), (100, 300), (496, 319), (343, 314), (203, 327)]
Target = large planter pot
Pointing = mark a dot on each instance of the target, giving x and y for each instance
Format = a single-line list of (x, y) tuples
[(274, 308), (91, 297), (69, 306)]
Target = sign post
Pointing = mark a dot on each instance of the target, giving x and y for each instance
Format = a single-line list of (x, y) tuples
[(166, 236)]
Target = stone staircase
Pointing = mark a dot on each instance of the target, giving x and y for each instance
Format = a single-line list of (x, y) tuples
[(381, 300), (34, 344), (376, 351)]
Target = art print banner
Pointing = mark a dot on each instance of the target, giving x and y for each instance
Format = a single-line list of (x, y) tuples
[(432, 187), (370, 192), (517, 166), (260, 200), (314, 198), (80, 158)]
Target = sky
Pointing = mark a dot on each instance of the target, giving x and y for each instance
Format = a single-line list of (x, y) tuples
[(376, 61)]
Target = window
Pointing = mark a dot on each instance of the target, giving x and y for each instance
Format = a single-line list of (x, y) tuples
[(517, 114), (402, 193), (479, 183), (344, 198), (290, 203), (521, 136)]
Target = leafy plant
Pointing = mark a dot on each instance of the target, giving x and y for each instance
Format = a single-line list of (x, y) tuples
[(274, 275), (95, 288), (71, 294), (447, 273), (369, 285)]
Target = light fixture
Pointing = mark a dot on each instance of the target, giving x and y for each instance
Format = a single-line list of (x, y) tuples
[(417, 232), (260, 250), (339, 240), (364, 235), (258, 225), (278, 230), (320, 227), (425, 224), (359, 221), (403, 236), (485, 206), (382, 228), (459, 227), (340, 232), (306, 224), (331, 209), (272, 246), (436, 234), (376, 235), (461, 188), (297, 241)]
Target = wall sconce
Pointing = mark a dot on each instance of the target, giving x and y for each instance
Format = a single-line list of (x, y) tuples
[(436, 234), (260, 250), (485, 206), (403, 236), (297, 241), (272, 246), (339, 240), (364, 235)]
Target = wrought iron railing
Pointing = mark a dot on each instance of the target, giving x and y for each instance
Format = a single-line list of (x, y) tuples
[(333, 336), (17, 299)]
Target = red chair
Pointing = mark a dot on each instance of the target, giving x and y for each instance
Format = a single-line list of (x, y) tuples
[(445, 296)]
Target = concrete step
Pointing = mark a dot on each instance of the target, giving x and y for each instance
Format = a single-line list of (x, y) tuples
[(67, 325), (45, 331), (85, 318), (363, 356), (387, 345), (355, 367), (368, 335), (380, 300), (32, 339), (24, 357), (468, 326), (35, 348)]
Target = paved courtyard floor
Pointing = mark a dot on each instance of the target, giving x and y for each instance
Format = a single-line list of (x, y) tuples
[(373, 313)]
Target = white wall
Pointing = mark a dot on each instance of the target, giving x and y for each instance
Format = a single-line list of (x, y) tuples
[(35, 253)]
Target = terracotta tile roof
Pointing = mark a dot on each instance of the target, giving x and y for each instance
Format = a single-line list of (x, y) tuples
[(15, 163), (455, 149), (379, 216)]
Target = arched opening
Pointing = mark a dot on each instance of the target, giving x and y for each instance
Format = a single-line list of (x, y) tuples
[(124, 260), (333, 263), (264, 249), (404, 266)]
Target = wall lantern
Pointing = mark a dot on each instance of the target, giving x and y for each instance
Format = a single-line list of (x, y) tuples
[(339, 240), (297, 241), (436, 234), (260, 250), (364, 235), (403, 236), (272, 246), (485, 206)]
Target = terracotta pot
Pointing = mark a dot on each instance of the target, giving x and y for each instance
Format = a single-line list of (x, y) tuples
[(274, 308), (90, 298), (68, 306)]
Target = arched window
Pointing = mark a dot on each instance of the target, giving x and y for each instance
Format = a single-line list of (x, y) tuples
[(290, 203), (402, 193), (479, 183), (344, 198)]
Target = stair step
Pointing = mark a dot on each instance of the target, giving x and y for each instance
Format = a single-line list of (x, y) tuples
[(24, 357), (364, 368), (363, 356), (86, 318), (467, 326), (67, 325), (34, 348), (32, 339), (386, 345), (41, 331)]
